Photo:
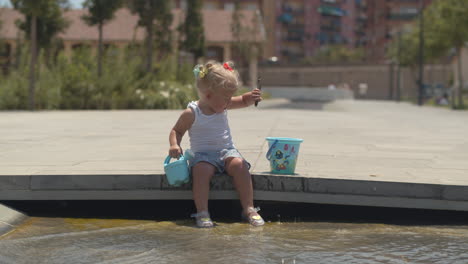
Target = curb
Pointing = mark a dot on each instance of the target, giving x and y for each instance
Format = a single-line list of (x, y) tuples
[(9, 219)]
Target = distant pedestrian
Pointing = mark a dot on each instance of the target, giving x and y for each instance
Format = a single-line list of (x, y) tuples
[(210, 138), (444, 100)]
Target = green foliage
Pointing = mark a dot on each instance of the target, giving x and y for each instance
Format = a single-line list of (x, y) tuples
[(163, 28), (406, 49), (244, 36), (72, 84), (50, 21), (100, 11), (1, 42), (184, 73), (337, 54), (449, 22), (445, 27), (145, 9), (192, 29)]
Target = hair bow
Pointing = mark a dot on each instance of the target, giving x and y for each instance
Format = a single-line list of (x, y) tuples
[(199, 71), (227, 67)]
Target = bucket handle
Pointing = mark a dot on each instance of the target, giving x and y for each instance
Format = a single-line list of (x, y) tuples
[(268, 155), (168, 159)]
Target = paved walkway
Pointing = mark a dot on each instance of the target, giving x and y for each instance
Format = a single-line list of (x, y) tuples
[(350, 147)]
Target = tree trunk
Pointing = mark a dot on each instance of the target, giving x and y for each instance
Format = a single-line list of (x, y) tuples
[(149, 46), (100, 51), (460, 79), (32, 65)]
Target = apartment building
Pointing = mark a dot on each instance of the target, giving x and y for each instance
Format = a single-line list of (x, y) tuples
[(296, 29)]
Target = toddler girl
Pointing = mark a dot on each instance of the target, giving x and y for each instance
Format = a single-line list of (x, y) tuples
[(211, 141)]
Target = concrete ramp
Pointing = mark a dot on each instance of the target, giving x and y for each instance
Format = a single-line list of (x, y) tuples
[(9, 219)]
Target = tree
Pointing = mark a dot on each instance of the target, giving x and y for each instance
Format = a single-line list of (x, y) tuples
[(246, 36), (237, 31), (100, 12), (150, 12), (49, 25), (448, 30), (1, 23), (452, 29), (163, 28), (192, 30), (34, 11)]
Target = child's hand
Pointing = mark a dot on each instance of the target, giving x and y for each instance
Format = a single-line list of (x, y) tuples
[(254, 96), (175, 151)]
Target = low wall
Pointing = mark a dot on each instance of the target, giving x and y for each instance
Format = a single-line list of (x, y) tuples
[(267, 187), (309, 93), (380, 79)]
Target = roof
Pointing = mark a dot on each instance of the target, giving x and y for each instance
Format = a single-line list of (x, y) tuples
[(217, 25)]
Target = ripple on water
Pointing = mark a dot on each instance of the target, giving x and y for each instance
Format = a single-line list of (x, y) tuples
[(62, 240)]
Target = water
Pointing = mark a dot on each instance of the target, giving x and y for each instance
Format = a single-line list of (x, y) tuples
[(91, 240)]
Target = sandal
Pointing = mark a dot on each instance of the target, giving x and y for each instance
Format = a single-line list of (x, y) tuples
[(255, 220), (203, 219)]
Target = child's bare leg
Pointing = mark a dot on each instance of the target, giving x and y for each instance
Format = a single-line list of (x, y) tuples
[(238, 169), (202, 173)]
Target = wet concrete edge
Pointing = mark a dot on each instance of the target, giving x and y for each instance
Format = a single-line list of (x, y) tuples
[(261, 182)]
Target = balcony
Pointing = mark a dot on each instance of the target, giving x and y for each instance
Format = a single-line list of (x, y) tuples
[(328, 27), (294, 34), (292, 10), (331, 11), (362, 4)]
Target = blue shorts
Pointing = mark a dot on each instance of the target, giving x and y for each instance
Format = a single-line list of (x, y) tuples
[(216, 158)]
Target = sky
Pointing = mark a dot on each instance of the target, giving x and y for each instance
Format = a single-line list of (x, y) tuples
[(74, 3)]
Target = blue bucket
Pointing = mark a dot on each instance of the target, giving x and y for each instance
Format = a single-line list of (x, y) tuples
[(282, 154), (177, 172)]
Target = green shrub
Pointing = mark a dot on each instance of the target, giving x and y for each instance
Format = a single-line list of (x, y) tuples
[(72, 83)]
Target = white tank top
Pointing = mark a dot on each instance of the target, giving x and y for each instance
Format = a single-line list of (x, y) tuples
[(209, 132)]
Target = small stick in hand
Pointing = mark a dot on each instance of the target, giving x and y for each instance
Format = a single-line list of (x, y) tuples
[(259, 86)]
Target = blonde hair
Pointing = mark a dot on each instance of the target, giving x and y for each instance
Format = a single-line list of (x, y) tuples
[(214, 76)]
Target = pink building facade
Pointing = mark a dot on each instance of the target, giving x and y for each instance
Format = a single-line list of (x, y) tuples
[(313, 24)]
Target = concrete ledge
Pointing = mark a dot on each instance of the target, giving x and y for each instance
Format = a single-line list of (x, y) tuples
[(9, 219), (318, 94), (292, 188)]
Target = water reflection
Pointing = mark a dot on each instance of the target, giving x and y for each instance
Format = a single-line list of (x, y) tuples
[(67, 240), (320, 237)]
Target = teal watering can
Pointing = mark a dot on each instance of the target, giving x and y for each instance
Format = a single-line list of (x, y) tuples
[(177, 172)]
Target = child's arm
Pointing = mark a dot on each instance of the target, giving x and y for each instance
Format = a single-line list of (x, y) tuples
[(175, 136), (246, 99)]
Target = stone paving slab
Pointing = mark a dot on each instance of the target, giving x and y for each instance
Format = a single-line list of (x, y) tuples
[(355, 150)]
